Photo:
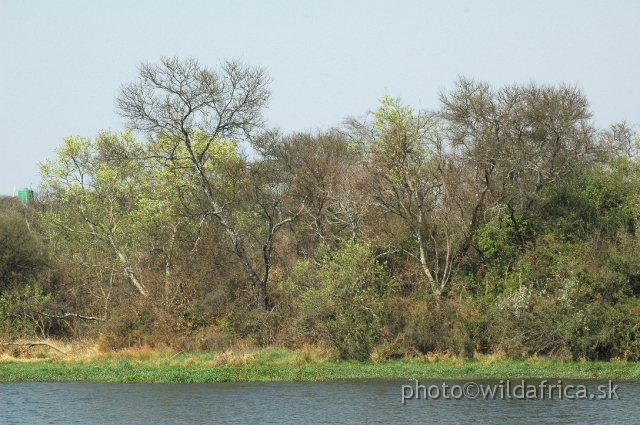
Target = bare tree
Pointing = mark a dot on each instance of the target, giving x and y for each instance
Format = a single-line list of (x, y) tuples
[(408, 179), (196, 108), (620, 139), (324, 174), (516, 140)]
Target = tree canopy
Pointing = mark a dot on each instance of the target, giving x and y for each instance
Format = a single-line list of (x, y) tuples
[(504, 221)]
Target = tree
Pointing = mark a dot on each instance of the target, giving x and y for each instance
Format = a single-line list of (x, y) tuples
[(515, 141), (92, 191), (619, 140), (196, 109), (325, 173), (172, 210), (408, 178)]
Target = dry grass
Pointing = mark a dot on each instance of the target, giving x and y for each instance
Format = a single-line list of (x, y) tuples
[(90, 352), (86, 362), (85, 352)]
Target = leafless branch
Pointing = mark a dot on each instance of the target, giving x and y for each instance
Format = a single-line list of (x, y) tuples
[(32, 343), (76, 315)]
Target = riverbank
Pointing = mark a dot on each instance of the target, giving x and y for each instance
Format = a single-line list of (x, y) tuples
[(290, 365)]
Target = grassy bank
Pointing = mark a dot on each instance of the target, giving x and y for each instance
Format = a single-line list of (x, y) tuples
[(288, 365)]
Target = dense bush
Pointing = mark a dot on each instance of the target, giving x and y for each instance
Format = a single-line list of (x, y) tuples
[(505, 222), (343, 301), (456, 327), (21, 250)]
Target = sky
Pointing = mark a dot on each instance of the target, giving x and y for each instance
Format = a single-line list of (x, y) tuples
[(63, 62)]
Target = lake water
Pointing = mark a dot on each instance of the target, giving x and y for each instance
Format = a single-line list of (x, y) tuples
[(334, 402)]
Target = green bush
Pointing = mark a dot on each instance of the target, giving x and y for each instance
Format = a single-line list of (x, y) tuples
[(20, 316), (343, 301), (21, 251)]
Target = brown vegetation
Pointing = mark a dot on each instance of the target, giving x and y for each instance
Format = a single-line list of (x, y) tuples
[(505, 222)]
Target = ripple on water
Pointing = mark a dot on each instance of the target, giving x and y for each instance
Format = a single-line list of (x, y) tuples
[(337, 402)]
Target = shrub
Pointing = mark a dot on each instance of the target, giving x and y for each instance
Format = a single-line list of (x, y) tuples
[(343, 303), (21, 251), (19, 313), (441, 325)]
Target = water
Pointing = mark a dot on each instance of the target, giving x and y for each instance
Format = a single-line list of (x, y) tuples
[(336, 402)]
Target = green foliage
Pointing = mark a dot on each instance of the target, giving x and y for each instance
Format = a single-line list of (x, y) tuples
[(343, 302), (504, 225), (492, 239), (20, 310), (601, 202), (21, 250), (196, 367), (192, 319)]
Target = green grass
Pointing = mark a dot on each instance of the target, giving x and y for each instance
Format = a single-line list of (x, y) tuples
[(286, 365)]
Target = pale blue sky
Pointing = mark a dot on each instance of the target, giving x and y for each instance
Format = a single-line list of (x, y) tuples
[(62, 62)]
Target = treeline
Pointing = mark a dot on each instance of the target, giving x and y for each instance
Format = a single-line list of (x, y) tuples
[(503, 222)]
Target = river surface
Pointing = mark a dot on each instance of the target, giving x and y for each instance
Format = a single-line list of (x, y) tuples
[(362, 401)]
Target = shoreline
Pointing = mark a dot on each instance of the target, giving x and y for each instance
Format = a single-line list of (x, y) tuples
[(289, 366)]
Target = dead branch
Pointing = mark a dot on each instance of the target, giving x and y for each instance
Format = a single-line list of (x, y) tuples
[(76, 315), (32, 343)]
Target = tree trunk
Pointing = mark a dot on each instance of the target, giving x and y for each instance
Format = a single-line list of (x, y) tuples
[(128, 271)]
